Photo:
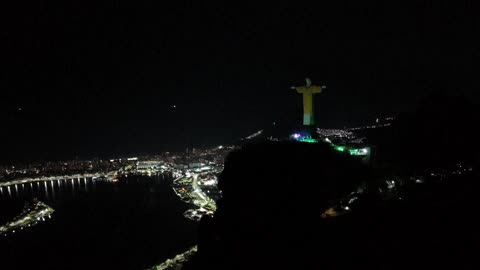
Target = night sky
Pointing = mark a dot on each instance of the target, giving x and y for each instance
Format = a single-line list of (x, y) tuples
[(82, 80)]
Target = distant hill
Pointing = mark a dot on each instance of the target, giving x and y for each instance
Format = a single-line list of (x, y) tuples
[(441, 132)]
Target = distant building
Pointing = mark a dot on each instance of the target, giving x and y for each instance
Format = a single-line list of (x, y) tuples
[(150, 164)]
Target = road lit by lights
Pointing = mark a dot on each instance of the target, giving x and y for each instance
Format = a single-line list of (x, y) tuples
[(30, 215)]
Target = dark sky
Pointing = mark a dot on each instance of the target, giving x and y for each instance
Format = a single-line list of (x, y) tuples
[(95, 79)]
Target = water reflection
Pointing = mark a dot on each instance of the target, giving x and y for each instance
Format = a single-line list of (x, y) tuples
[(96, 220), (48, 190)]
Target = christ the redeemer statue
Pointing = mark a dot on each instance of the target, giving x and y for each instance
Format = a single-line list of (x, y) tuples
[(308, 91)]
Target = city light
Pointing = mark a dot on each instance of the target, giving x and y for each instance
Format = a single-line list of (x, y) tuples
[(27, 217), (303, 138), (358, 152)]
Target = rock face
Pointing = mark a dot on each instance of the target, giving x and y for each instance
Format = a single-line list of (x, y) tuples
[(270, 214), (275, 192)]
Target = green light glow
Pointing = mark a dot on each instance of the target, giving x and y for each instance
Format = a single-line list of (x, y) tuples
[(340, 148), (308, 140), (352, 151)]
